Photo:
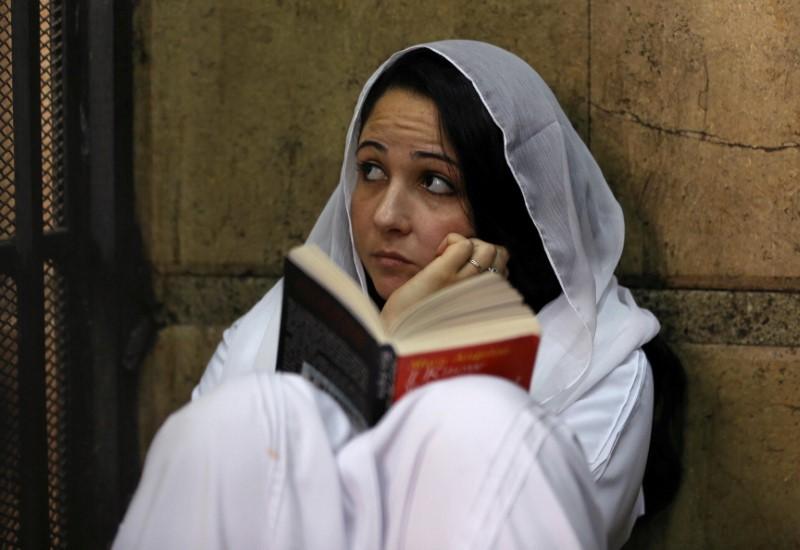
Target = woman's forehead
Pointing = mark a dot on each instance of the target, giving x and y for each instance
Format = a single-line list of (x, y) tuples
[(404, 118)]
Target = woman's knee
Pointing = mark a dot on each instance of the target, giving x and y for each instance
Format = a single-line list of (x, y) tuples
[(458, 417), (474, 400)]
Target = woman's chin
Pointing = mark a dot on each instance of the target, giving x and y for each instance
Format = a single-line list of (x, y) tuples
[(386, 288)]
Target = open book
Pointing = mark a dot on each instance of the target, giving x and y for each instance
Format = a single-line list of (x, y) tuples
[(332, 334)]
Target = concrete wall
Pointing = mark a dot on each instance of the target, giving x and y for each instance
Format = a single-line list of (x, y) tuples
[(691, 108)]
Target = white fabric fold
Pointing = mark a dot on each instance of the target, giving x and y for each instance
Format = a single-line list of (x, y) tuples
[(269, 462)]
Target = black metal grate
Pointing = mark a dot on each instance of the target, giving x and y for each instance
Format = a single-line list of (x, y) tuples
[(66, 469), (51, 60), (56, 394), (10, 484), (7, 201)]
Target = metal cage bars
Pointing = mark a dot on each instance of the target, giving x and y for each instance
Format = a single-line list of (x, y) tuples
[(66, 231), (29, 274)]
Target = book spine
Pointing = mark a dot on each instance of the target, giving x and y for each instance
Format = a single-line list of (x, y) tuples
[(511, 359), (383, 380)]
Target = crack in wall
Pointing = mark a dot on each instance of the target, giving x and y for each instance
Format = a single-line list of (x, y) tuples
[(698, 135)]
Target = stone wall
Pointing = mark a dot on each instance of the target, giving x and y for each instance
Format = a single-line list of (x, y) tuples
[(691, 108)]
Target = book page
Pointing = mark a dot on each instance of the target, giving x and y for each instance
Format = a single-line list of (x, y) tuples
[(479, 332), (495, 304), (488, 296)]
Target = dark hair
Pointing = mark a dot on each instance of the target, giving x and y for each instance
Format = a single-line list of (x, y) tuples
[(497, 208), (664, 470), (500, 216)]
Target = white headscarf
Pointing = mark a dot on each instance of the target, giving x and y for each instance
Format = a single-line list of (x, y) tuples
[(595, 324)]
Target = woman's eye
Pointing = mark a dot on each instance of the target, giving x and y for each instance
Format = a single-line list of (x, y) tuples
[(371, 172), (438, 185)]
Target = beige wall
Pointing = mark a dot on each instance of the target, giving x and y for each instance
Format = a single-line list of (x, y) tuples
[(692, 109)]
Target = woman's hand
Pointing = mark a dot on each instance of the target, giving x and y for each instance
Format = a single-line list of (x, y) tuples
[(452, 264)]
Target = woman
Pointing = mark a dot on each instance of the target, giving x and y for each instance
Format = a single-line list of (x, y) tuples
[(458, 159)]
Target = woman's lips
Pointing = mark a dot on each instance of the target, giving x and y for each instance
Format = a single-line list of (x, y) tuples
[(391, 259)]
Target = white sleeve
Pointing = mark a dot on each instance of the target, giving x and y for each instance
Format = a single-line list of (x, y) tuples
[(249, 344), (612, 423), (212, 376)]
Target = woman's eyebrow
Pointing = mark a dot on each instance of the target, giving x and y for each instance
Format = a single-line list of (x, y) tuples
[(370, 143), (416, 154), (430, 154)]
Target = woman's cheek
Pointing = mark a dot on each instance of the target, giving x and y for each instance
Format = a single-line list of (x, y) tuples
[(456, 222)]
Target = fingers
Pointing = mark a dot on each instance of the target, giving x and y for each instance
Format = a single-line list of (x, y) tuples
[(450, 239), (458, 251), (501, 261), (484, 256)]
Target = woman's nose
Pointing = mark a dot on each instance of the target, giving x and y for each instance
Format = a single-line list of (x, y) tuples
[(392, 211)]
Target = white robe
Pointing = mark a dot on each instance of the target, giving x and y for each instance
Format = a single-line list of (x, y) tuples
[(267, 461)]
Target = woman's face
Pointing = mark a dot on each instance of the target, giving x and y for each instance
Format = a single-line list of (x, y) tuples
[(409, 193)]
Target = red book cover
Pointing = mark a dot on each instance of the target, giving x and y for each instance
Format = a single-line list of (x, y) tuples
[(511, 359)]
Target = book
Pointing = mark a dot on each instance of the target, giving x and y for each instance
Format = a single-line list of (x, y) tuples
[(332, 334)]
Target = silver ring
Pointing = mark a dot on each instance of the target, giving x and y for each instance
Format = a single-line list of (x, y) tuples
[(477, 265), (492, 269)]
